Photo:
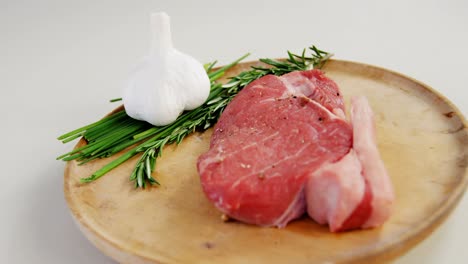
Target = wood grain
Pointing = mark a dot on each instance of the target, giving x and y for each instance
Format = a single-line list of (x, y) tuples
[(423, 140)]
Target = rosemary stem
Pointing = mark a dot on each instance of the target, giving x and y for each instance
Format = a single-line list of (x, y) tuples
[(215, 75)]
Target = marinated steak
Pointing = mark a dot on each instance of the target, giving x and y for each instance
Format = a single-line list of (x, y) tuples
[(282, 147)]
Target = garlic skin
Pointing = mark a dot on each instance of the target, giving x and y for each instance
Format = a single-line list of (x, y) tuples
[(166, 82)]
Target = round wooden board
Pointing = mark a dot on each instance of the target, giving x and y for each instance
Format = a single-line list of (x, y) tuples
[(423, 140)]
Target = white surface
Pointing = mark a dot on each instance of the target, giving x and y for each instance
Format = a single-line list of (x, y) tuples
[(60, 61)]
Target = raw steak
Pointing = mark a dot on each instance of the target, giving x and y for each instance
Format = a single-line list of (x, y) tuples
[(282, 147)]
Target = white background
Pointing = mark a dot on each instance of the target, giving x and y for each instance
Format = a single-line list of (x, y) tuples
[(60, 61)]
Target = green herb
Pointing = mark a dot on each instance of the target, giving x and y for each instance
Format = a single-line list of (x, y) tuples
[(118, 131)]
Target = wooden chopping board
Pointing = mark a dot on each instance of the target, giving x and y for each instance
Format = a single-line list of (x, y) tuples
[(423, 140)]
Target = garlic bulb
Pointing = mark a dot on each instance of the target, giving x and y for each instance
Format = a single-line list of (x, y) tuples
[(166, 82)]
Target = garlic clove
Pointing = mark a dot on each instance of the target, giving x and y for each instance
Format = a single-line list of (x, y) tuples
[(191, 75)]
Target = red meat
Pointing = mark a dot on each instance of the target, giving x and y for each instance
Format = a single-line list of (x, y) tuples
[(282, 147)]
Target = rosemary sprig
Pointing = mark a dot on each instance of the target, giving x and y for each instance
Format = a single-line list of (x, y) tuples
[(118, 131)]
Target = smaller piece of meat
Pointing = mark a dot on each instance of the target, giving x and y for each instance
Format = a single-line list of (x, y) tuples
[(333, 192), (373, 168)]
